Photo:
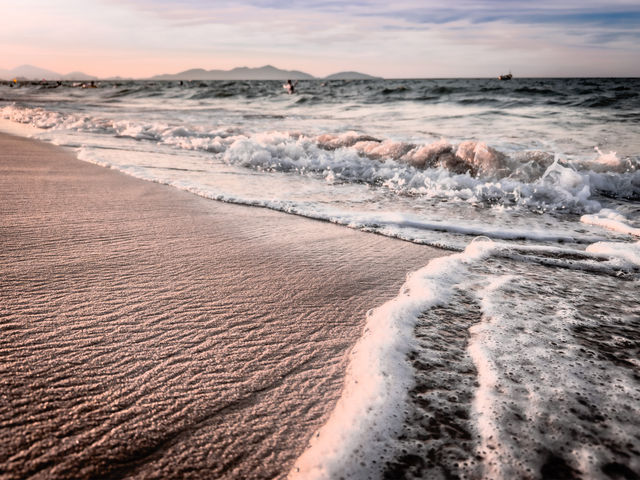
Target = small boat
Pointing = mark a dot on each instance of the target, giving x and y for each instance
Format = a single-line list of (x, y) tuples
[(507, 76)]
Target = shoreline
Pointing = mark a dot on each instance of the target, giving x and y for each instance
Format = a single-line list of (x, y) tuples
[(150, 331)]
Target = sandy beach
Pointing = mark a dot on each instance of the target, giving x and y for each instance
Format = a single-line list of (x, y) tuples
[(147, 332)]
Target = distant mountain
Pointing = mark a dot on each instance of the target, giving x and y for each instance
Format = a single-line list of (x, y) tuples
[(30, 72), (351, 76), (267, 72)]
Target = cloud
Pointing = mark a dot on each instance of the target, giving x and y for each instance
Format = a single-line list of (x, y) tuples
[(400, 38), (615, 16)]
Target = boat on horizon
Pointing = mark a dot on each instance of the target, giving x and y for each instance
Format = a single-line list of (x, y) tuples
[(507, 76)]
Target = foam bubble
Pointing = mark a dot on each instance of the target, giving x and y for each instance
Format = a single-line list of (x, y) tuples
[(556, 380), (628, 252), (609, 162), (354, 442), (611, 220)]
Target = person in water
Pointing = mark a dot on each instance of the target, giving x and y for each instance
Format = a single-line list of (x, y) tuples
[(290, 87)]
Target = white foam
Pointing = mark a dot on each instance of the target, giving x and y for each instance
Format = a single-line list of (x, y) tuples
[(355, 441), (194, 138), (627, 252), (609, 162), (542, 392), (473, 172), (611, 220), (404, 226), (608, 258), (19, 129), (487, 392), (295, 153), (397, 222)]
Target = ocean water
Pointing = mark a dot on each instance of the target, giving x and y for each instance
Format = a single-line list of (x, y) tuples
[(516, 355)]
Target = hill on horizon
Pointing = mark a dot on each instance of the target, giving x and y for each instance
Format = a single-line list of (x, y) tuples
[(351, 76), (268, 72), (31, 72)]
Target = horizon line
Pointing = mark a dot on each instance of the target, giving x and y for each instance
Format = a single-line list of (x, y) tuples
[(377, 78), (314, 77)]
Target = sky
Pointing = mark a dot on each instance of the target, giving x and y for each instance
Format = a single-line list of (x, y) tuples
[(392, 39)]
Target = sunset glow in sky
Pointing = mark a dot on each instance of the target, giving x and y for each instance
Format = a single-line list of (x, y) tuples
[(407, 38)]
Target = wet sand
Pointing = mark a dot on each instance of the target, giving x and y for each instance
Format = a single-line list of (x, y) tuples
[(146, 332)]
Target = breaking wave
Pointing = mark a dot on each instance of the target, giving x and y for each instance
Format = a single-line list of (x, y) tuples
[(471, 171)]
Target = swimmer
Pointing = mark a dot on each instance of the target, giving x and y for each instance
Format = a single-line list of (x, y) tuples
[(290, 87)]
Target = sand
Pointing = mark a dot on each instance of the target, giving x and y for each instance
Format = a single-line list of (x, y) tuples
[(146, 332)]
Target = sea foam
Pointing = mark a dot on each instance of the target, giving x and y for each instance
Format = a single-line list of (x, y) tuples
[(627, 252), (556, 391), (611, 220), (355, 440), (472, 172)]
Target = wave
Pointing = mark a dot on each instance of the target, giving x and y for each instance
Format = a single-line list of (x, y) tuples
[(375, 418), (471, 171)]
